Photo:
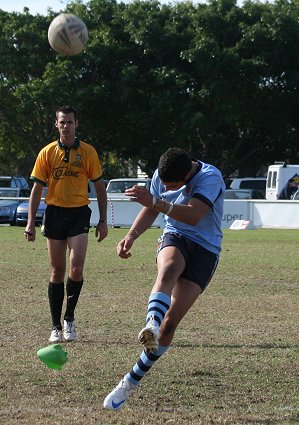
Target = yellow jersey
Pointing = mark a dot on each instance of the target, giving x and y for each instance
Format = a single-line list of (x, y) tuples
[(66, 172)]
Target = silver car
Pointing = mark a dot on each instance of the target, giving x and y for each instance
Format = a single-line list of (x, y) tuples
[(10, 199), (14, 182), (22, 211)]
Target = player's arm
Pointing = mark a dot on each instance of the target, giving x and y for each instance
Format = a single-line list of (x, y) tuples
[(34, 201), (102, 228), (142, 222), (190, 214)]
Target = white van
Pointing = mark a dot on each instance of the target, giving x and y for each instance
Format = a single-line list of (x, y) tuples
[(278, 176), (116, 187)]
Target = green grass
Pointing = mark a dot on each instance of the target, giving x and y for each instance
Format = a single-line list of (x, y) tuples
[(234, 359)]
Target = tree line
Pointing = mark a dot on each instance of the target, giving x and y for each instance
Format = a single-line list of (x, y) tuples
[(218, 79)]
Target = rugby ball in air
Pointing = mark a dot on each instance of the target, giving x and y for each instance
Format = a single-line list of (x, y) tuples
[(68, 34)]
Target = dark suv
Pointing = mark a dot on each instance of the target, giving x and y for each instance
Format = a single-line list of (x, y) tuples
[(17, 182)]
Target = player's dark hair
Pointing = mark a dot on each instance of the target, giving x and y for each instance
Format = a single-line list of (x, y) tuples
[(174, 165), (67, 110)]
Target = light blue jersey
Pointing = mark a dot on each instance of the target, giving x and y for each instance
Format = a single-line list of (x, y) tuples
[(207, 185)]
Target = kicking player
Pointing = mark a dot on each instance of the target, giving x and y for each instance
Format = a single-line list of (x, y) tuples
[(190, 193)]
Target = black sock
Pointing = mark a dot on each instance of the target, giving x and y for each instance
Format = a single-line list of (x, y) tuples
[(73, 290), (56, 296)]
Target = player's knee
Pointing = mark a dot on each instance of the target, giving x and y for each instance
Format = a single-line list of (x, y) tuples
[(167, 274), (57, 274), (76, 273)]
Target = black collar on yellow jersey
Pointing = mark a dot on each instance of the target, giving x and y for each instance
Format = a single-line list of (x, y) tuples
[(75, 145), (68, 148)]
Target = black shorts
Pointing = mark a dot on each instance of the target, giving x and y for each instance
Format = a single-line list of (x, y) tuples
[(62, 223), (200, 263)]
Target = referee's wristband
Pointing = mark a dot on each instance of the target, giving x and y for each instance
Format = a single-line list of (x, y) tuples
[(102, 221)]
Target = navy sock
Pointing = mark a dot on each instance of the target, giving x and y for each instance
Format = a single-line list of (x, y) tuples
[(144, 364)]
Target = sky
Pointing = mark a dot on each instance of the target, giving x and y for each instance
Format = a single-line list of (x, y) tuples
[(41, 6), (35, 6)]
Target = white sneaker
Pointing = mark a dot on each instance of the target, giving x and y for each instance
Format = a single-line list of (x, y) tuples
[(149, 336), (56, 336), (117, 398), (69, 331)]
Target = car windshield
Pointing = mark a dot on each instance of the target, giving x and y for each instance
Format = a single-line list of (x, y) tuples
[(5, 182), (253, 184), (11, 193), (122, 186)]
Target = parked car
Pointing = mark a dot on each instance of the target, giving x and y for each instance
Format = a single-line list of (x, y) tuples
[(8, 207), (228, 182), (258, 183), (22, 211), (116, 187), (244, 194), (14, 181)]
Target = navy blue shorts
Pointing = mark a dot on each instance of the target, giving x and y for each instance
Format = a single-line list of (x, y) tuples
[(61, 223), (200, 263)]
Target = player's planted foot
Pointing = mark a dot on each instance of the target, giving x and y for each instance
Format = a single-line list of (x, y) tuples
[(56, 336), (149, 336), (117, 398), (69, 330)]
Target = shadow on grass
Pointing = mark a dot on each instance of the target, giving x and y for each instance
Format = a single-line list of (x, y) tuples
[(239, 346)]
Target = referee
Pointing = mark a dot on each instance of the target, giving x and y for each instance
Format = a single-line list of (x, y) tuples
[(65, 166)]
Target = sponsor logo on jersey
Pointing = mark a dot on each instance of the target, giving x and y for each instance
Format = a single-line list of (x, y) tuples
[(59, 172)]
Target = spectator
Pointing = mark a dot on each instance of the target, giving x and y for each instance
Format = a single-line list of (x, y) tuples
[(289, 189)]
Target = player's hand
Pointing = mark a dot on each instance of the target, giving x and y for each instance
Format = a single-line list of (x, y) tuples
[(124, 246), (140, 194), (101, 231), (29, 234)]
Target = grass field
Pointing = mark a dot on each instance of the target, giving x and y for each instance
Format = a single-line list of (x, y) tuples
[(234, 359)]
